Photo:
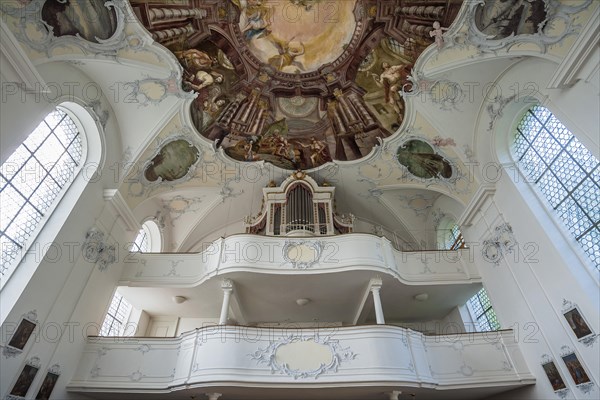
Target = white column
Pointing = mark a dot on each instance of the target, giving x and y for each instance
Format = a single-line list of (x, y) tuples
[(394, 395), (375, 288), (227, 287)]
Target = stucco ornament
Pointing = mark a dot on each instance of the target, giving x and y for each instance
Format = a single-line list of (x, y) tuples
[(500, 244), (549, 23), (268, 356), (97, 250), (302, 254)]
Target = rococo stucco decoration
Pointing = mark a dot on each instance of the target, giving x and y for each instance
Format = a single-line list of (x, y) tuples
[(499, 245), (97, 250), (302, 254), (93, 26), (269, 356), (499, 25)]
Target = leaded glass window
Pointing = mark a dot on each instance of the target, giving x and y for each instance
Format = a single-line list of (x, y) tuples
[(117, 315), (565, 172), (481, 308), (449, 235), (32, 179), (140, 244)]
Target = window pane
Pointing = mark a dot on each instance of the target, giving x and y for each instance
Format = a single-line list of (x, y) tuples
[(532, 165), (140, 244), (38, 136), (54, 118), (28, 177), (43, 198), (66, 131), (542, 113), (591, 245), (115, 317), (481, 308), (564, 171), (23, 224), (14, 162), (10, 203), (552, 188), (49, 152), (546, 145), (64, 169)]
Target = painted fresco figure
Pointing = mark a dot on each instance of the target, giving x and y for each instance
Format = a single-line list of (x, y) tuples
[(202, 79), (392, 78), (256, 16), (287, 54), (194, 60), (317, 151)]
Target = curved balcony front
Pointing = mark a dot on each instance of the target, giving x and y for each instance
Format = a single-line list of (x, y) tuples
[(290, 255), (248, 362)]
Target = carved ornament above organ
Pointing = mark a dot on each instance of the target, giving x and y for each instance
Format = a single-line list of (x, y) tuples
[(298, 207)]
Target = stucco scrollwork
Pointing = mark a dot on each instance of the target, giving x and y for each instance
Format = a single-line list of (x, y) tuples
[(501, 243), (97, 250), (302, 254), (268, 356), (548, 22)]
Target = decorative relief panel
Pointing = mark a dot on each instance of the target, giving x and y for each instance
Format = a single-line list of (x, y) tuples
[(302, 254), (303, 357)]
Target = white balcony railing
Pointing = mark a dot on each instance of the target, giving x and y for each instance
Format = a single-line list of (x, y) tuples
[(234, 356), (286, 255)]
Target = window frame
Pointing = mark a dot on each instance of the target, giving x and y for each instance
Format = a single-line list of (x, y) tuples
[(14, 265)]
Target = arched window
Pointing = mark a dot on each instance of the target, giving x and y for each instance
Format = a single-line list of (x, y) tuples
[(148, 239), (32, 181), (565, 172)]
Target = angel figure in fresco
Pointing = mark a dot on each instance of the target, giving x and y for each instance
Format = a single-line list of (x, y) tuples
[(317, 151), (255, 19), (287, 54), (438, 33), (194, 60), (392, 79)]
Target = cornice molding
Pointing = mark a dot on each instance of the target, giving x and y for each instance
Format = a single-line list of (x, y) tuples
[(120, 209), (567, 72), (30, 79), (480, 197)]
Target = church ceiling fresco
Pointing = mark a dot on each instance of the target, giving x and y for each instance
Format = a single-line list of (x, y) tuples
[(298, 83), (90, 19)]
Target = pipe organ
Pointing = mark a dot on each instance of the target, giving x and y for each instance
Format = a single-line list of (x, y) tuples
[(298, 207)]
